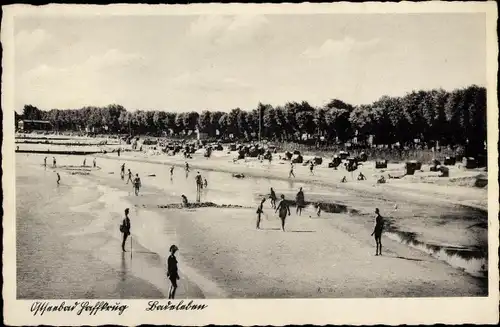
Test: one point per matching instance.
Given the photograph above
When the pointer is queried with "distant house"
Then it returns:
(26, 125)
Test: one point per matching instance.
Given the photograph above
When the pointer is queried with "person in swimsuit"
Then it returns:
(137, 184)
(291, 173)
(130, 177)
(185, 202)
(45, 162)
(187, 167)
(58, 178)
(284, 210)
(172, 271)
(299, 199)
(377, 231)
(172, 171)
(125, 229)
(54, 162)
(311, 168)
(95, 163)
(205, 183)
(260, 211)
(318, 209)
(361, 177)
(122, 172)
(84, 162)
(273, 198)
(199, 182)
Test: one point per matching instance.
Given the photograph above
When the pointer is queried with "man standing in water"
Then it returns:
(291, 173)
(260, 211)
(284, 210)
(299, 199)
(273, 198)
(172, 271)
(379, 227)
(58, 178)
(137, 184)
(125, 229)
(122, 171)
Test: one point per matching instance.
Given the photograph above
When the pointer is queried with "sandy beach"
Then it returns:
(221, 254)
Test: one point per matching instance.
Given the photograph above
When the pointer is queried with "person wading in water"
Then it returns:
(273, 198)
(299, 199)
(377, 231)
(284, 210)
(125, 229)
(260, 211)
(137, 184)
(172, 271)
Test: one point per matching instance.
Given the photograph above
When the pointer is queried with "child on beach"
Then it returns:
(299, 199)
(125, 229)
(377, 231)
(260, 212)
(283, 209)
(137, 184)
(273, 198)
(172, 271)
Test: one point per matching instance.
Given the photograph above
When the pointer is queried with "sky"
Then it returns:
(183, 63)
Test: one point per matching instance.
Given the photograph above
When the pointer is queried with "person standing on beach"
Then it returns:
(205, 183)
(122, 172)
(172, 271)
(58, 178)
(137, 184)
(291, 173)
(311, 168)
(45, 162)
(84, 162)
(54, 162)
(377, 231)
(187, 167)
(260, 211)
(125, 229)
(130, 177)
(95, 163)
(118, 152)
(172, 171)
(273, 198)
(284, 210)
(299, 199)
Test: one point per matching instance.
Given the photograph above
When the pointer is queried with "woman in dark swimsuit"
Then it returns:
(172, 272)
(379, 227)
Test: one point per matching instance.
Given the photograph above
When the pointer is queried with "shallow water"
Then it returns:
(103, 207)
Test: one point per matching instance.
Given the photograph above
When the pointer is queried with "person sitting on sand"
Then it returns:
(343, 180)
(172, 271)
(260, 211)
(284, 210)
(381, 180)
(137, 184)
(185, 202)
(361, 177)
(273, 198)
(58, 178)
(377, 231)
(125, 229)
(299, 199)
(396, 177)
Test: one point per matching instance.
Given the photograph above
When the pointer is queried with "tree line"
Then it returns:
(457, 117)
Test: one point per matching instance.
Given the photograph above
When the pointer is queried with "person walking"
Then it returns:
(172, 171)
(284, 210)
(172, 271)
(291, 173)
(95, 163)
(377, 231)
(260, 211)
(311, 168)
(125, 229)
(137, 184)
(45, 162)
(58, 179)
(299, 199)
(122, 171)
(273, 198)
(54, 162)
(130, 177)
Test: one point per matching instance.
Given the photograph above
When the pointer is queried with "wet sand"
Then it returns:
(221, 253)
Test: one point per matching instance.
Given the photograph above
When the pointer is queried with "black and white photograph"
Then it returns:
(186, 154)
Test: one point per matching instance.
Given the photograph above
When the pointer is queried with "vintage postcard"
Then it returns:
(250, 164)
